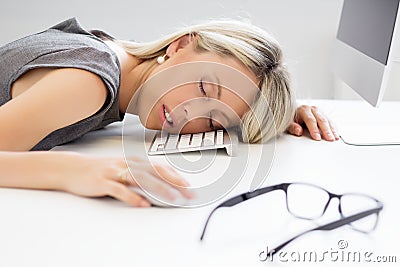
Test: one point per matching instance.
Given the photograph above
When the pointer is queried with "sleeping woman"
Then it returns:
(61, 83)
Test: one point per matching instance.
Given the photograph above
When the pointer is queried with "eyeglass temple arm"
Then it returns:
(329, 226)
(238, 199)
(228, 203)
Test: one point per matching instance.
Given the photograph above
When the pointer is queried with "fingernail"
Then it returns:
(185, 183)
(144, 203)
(297, 131)
(318, 136)
(330, 136)
(190, 194)
(336, 135)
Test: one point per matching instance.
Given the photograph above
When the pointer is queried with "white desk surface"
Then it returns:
(45, 228)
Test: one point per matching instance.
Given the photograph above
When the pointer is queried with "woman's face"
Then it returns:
(196, 92)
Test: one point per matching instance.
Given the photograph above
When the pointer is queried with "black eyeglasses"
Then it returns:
(307, 201)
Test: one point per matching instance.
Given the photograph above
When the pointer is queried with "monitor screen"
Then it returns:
(368, 26)
(367, 47)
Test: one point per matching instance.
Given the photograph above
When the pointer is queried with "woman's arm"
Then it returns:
(35, 170)
(88, 176)
(59, 99)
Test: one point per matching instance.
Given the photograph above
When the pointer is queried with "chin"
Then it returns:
(147, 124)
(150, 126)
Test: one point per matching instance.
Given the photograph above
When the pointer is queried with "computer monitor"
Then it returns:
(367, 46)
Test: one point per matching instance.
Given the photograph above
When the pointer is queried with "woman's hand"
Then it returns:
(96, 177)
(315, 121)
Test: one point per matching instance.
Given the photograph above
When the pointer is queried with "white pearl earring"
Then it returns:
(161, 59)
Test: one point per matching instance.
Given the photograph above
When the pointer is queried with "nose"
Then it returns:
(186, 109)
(196, 109)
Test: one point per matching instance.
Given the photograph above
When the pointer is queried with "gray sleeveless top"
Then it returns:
(65, 45)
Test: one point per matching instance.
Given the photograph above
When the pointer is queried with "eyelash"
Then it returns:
(201, 87)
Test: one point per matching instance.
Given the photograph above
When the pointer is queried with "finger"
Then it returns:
(334, 130)
(132, 159)
(295, 129)
(298, 118)
(154, 185)
(311, 123)
(172, 177)
(119, 170)
(124, 194)
(323, 124)
(125, 177)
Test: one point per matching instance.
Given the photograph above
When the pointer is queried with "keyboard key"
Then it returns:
(172, 141)
(220, 137)
(184, 141)
(158, 141)
(160, 147)
(209, 138)
(196, 140)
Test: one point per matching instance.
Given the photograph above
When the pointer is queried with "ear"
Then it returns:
(179, 43)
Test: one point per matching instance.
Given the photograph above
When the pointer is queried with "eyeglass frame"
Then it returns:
(344, 220)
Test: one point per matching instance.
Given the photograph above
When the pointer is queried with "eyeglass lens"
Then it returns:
(310, 202)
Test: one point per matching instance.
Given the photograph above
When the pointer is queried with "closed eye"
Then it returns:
(201, 87)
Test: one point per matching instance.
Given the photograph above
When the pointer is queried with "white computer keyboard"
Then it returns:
(174, 143)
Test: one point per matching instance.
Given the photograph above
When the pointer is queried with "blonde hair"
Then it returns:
(274, 108)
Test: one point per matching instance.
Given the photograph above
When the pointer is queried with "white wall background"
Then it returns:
(306, 29)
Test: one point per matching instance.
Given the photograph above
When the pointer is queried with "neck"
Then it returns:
(134, 72)
(131, 81)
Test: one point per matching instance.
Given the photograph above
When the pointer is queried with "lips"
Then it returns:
(165, 117)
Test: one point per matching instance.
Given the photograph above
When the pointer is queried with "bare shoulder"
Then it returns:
(60, 98)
